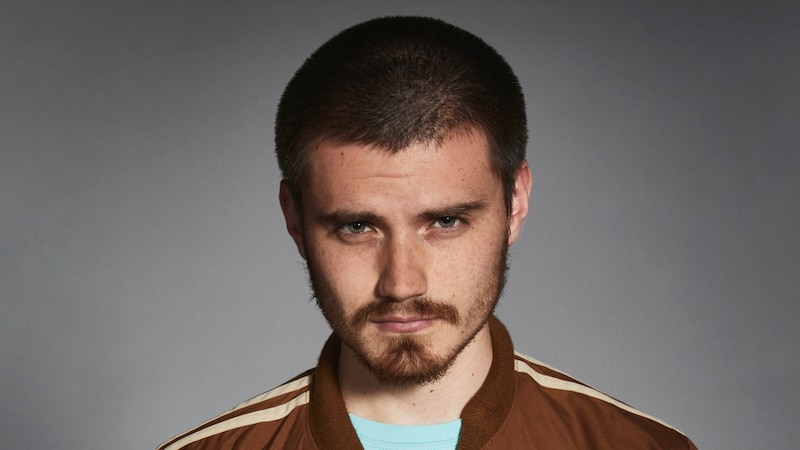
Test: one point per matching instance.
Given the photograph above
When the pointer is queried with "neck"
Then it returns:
(437, 402)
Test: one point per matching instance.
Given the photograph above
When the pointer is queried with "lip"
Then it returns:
(394, 324)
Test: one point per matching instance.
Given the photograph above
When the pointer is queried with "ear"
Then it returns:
(520, 202)
(294, 224)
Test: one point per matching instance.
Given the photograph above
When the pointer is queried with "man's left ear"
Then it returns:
(520, 202)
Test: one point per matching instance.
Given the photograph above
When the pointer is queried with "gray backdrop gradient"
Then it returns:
(147, 282)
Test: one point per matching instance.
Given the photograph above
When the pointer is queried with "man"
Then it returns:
(402, 145)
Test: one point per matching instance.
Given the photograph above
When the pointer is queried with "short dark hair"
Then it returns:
(396, 81)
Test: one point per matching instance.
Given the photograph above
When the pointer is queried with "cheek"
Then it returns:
(465, 266)
(344, 275)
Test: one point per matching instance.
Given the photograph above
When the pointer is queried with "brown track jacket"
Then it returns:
(523, 404)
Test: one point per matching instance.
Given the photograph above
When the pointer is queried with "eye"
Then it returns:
(355, 227)
(447, 222)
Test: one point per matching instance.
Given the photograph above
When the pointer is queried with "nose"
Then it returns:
(403, 274)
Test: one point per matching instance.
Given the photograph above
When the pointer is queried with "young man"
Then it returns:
(402, 143)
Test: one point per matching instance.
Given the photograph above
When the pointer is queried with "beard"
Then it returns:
(411, 359)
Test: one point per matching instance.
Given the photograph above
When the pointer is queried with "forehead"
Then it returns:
(459, 166)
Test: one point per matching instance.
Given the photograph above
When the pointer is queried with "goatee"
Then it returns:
(410, 359)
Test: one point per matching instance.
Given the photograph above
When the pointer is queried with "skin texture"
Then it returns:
(407, 256)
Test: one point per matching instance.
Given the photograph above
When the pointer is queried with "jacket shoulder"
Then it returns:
(571, 410)
(270, 418)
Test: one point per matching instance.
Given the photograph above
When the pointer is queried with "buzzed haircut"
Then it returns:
(397, 81)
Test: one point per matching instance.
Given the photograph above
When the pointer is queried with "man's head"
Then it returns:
(397, 81)
(402, 143)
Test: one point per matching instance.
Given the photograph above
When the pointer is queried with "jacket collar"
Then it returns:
(481, 418)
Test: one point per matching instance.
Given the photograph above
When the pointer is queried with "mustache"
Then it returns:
(420, 306)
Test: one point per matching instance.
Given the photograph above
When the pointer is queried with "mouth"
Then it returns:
(396, 324)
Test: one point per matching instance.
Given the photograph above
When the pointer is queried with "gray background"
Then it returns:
(147, 283)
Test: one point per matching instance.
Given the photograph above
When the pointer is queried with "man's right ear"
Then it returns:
(294, 223)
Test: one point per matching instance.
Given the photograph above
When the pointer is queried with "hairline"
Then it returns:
(297, 186)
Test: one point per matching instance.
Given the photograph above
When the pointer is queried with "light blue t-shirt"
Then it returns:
(384, 436)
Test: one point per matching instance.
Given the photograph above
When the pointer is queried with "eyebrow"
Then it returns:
(347, 216)
(344, 216)
(455, 210)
